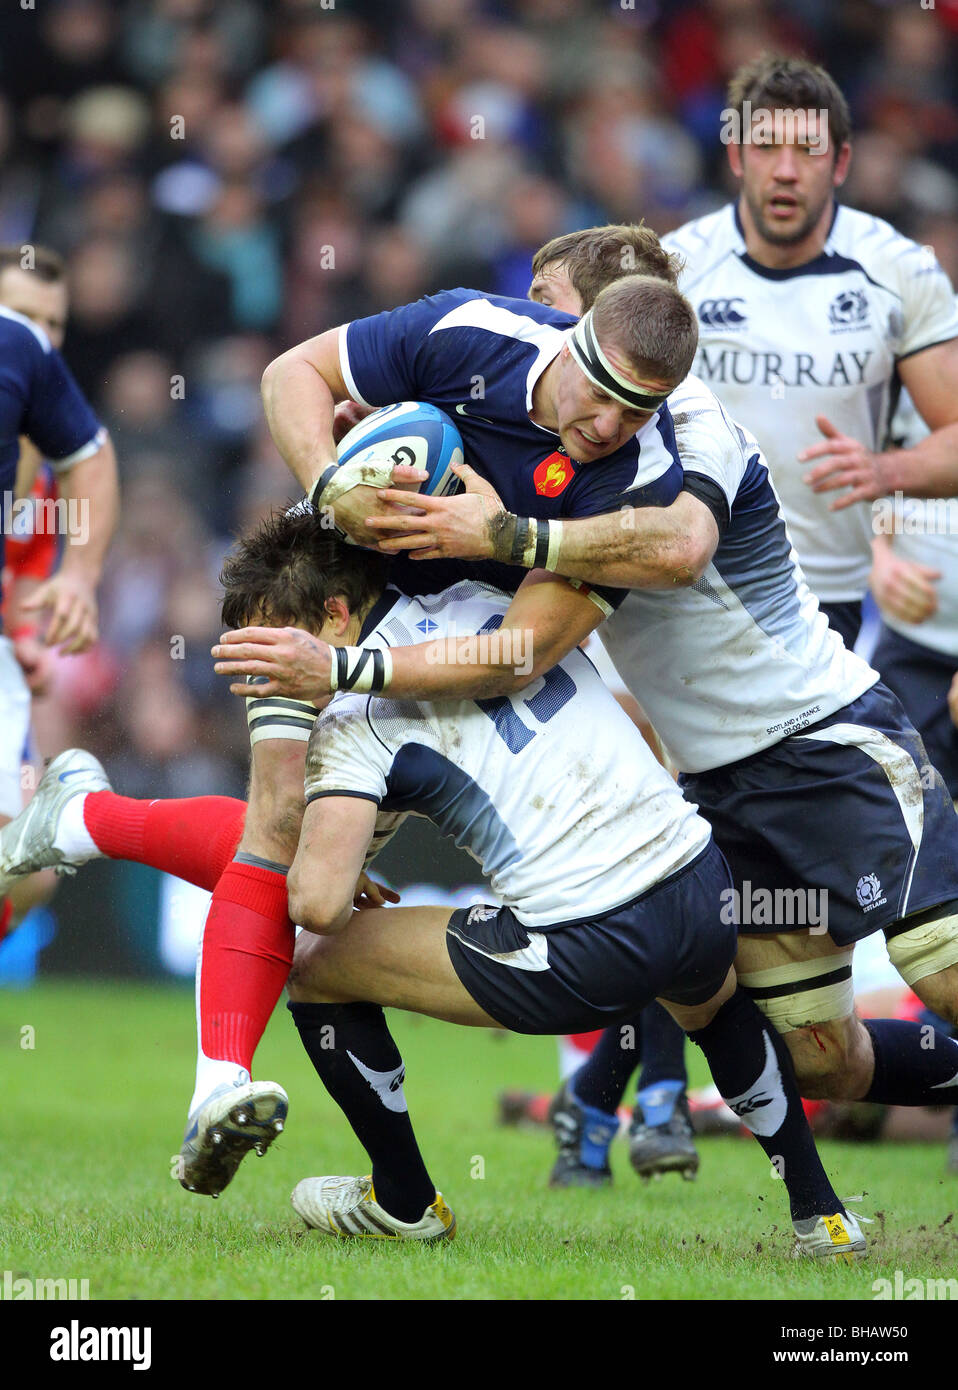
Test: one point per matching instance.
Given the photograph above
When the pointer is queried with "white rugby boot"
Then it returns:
(347, 1207)
(27, 842)
(830, 1237)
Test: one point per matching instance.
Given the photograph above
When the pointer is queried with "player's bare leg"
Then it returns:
(802, 982)
(398, 958)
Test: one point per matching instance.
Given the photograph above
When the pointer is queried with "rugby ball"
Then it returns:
(413, 433)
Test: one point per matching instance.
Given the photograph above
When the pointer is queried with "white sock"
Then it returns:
(210, 1073)
(72, 837)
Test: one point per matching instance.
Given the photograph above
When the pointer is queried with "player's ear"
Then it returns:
(337, 615)
(840, 173)
(734, 151)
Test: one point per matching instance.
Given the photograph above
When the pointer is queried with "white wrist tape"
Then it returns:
(342, 479)
(367, 670)
(540, 542)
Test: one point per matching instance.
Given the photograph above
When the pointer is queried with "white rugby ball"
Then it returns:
(413, 433)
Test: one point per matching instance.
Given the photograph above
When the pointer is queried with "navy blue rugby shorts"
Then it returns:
(672, 942)
(851, 806)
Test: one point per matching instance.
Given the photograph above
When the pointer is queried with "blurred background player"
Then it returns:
(811, 314)
(33, 286)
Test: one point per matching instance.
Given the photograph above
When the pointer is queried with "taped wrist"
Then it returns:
(322, 482)
(367, 670)
(340, 478)
(536, 543)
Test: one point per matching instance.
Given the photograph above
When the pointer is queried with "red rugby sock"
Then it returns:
(247, 952)
(193, 838)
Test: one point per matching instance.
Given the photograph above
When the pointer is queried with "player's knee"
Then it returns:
(306, 973)
(939, 993)
(832, 1060)
(34, 890)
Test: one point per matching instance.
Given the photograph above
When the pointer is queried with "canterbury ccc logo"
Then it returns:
(721, 313)
(553, 475)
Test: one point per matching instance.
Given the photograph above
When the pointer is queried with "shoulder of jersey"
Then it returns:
(705, 240)
(701, 420)
(461, 294)
(693, 394)
(883, 253)
(12, 318)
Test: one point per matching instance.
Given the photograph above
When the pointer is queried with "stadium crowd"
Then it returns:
(226, 179)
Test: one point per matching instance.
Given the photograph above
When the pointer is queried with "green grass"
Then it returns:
(93, 1115)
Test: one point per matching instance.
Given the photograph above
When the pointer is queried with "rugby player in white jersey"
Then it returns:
(609, 884)
(811, 316)
(808, 771)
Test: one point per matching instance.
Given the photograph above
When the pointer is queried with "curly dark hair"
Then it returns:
(282, 573)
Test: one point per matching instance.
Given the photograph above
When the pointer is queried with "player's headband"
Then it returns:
(584, 346)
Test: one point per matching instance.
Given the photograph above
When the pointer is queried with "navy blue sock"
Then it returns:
(663, 1049)
(752, 1069)
(915, 1064)
(359, 1064)
(604, 1075)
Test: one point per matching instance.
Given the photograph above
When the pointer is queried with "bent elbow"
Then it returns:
(316, 912)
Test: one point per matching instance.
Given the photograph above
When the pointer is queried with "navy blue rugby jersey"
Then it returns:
(478, 357)
(38, 398)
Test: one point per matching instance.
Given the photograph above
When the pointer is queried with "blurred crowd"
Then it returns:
(228, 177)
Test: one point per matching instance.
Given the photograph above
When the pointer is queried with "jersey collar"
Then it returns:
(380, 611)
(789, 272)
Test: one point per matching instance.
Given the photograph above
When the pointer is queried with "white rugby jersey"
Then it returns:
(744, 657)
(780, 347)
(553, 791)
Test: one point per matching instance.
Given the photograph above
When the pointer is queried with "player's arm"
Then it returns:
(632, 548)
(91, 492)
(300, 392)
(28, 465)
(546, 619)
(336, 833)
(901, 588)
(639, 547)
(926, 469)
(59, 421)
(32, 653)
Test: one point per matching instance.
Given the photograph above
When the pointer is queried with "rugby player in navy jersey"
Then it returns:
(33, 284)
(40, 400)
(804, 765)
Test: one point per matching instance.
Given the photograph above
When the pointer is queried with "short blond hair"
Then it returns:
(597, 256)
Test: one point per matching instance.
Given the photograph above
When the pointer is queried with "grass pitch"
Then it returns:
(94, 1106)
